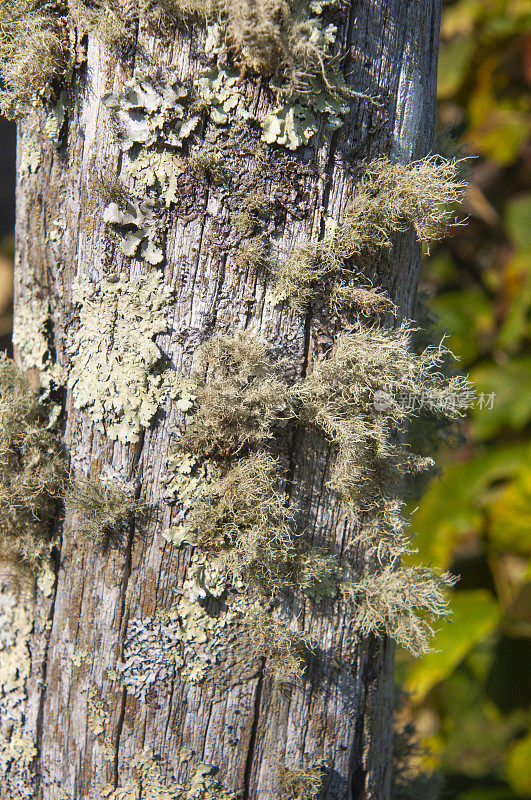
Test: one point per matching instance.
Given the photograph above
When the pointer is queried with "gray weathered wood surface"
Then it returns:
(342, 711)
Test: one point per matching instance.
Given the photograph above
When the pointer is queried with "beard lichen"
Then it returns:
(300, 783)
(116, 370)
(104, 508)
(34, 53)
(32, 470)
(241, 403)
(389, 198)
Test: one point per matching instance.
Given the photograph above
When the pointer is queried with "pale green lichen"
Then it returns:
(186, 638)
(400, 603)
(30, 331)
(138, 225)
(204, 783)
(98, 713)
(149, 111)
(220, 90)
(116, 371)
(155, 170)
(17, 748)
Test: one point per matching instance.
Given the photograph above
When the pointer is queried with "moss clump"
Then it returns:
(32, 470)
(244, 519)
(283, 649)
(300, 783)
(389, 198)
(33, 52)
(103, 509)
(241, 403)
(399, 604)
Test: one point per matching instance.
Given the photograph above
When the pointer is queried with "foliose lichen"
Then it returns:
(116, 368)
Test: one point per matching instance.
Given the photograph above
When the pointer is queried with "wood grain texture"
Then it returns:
(341, 713)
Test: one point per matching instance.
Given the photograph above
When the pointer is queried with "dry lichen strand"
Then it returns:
(390, 197)
(32, 470)
(300, 783)
(34, 53)
(115, 369)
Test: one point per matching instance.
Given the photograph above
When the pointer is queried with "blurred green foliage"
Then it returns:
(471, 698)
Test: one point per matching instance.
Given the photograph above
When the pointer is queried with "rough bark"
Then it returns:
(342, 712)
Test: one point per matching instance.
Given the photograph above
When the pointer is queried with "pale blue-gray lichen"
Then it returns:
(115, 370)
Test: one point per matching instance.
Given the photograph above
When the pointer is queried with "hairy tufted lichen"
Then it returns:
(103, 508)
(300, 783)
(34, 53)
(244, 520)
(32, 470)
(356, 396)
(241, 403)
(284, 650)
(400, 603)
(390, 197)
(116, 368)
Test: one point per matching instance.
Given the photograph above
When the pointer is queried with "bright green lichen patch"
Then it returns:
(115, 365)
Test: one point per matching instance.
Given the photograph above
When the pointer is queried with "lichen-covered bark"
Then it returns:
(245, 723)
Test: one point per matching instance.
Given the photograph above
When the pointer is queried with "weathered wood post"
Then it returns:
(170, 161)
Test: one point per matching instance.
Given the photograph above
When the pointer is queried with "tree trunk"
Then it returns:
(245, 724)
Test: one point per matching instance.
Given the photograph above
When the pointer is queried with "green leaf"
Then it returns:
(517, 766)
(475, 615)
(512, 403)
(452, 505)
